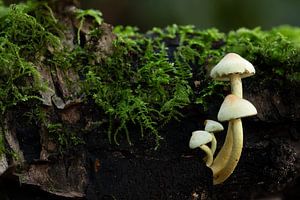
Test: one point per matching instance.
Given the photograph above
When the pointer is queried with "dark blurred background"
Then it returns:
(222, 14)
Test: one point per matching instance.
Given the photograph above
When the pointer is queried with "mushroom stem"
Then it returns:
(236, 85)
(209, 157)
(213, 146)
(237, 131)
(224, 154)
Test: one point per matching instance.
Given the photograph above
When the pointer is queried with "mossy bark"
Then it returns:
(60, 146)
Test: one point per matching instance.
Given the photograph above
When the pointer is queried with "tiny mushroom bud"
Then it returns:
(233, 109)
(200, 139)
(212, 127)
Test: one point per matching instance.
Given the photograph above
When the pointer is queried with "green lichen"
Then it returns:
(147, 80)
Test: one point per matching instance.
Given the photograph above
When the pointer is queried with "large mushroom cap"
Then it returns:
(199, 138)
(234, 107)
(212, 126)
(232, 63)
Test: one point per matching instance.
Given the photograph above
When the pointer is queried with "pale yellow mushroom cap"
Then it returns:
(234, 107)
(232, 63)
(212, 126)
(199, 138)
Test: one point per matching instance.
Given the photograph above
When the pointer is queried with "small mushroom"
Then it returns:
(212, 127)
(200, 139)
(233, 109)
(233, 68)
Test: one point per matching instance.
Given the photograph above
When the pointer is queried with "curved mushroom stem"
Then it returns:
(224, 154)
(213, 146)
(236, 85)
(237, 131)
(209, 154)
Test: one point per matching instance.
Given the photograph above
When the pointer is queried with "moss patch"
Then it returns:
(23, 40)
(275, 54)
(148, 79)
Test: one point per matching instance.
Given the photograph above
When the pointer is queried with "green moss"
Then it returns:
(3, 9)
(81, 15)
(26, 32)
(22, 42)
(291, 33)
(65, 138)
(20, 80)
(138, 85)
(275, 54)
(147, 80)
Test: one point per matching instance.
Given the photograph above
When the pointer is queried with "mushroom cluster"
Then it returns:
(231, 68)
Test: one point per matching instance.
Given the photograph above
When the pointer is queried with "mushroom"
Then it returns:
(200, 139)
(212, 127)
(233, 109)
(231, 68)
